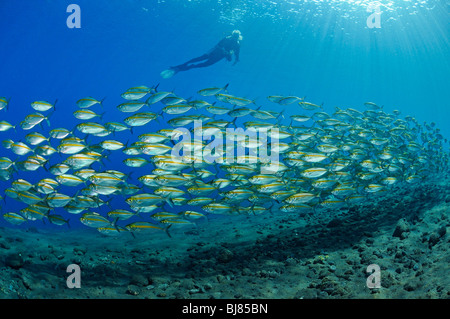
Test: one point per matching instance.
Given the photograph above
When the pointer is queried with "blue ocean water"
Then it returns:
(323, 50)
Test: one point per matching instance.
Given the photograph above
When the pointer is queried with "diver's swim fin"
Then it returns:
(167, 74)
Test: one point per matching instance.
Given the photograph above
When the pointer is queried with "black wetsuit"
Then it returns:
(224, 49)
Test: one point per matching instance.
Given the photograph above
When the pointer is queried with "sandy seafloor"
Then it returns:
(274, 255)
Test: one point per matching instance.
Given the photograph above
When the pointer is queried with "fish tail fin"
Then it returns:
(166, 229)
(170, 202)
(216, 167)
(226, 87)
(137, 213)
(72, 131)
(287, 183)
(45, 167)
(47, 118)
(101, 102)
(281, 115)
(54, 104)
(108, 203)
(128, 176)
(192, 166)
(15, 168)
(252, 208)
(114, 223)
(194, 106)
(233, 122)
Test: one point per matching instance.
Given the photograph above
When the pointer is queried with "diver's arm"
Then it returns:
(236, 54)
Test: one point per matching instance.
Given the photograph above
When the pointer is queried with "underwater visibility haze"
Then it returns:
(335, 113)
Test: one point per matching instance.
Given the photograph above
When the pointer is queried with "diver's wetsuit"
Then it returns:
(224, 49)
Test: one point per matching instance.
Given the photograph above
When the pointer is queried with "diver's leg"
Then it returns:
(198, 59)
(212, 59)
(185, 66)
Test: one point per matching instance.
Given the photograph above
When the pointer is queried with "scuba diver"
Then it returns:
(224, 49)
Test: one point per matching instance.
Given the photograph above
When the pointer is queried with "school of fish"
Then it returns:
(323, 161)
